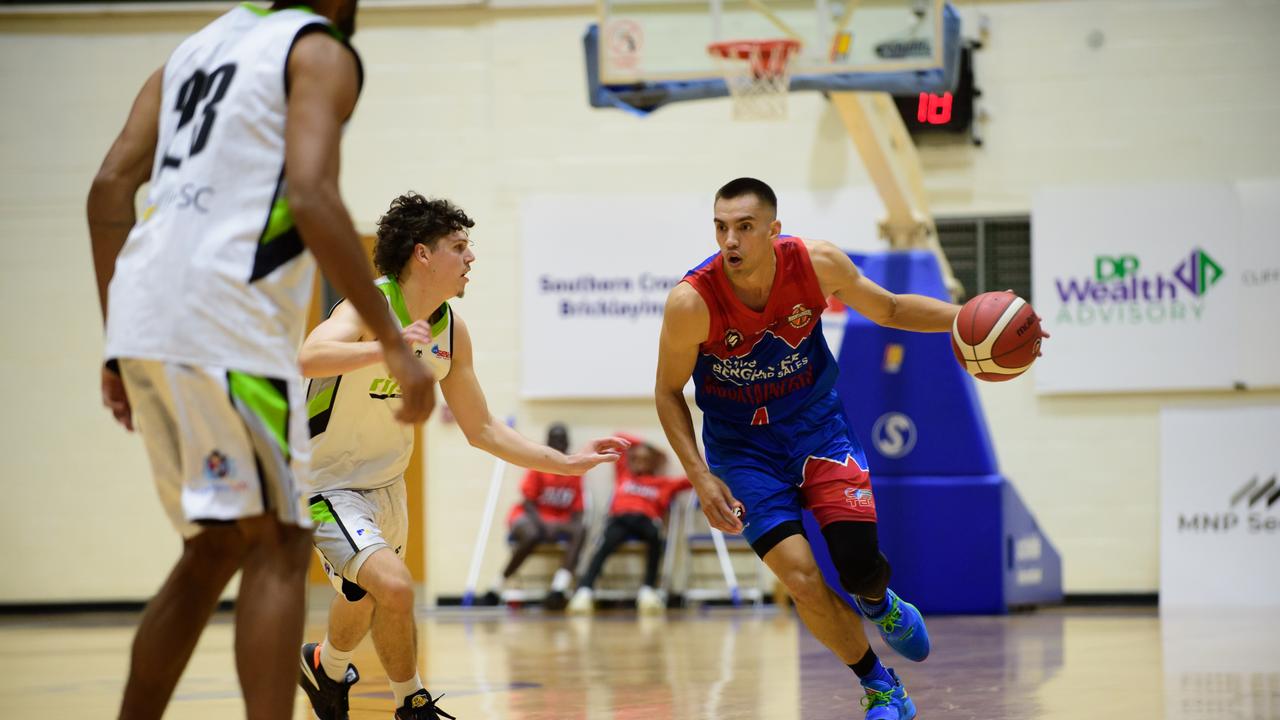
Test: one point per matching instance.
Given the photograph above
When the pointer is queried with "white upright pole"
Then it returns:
(726, 566)
(486, 522)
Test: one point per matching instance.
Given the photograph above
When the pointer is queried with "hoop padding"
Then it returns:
(758, 75)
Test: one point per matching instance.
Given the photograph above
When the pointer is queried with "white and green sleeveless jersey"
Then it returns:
(356, 442)
(214, 272)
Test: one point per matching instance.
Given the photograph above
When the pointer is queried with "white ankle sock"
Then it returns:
(334, 661)
(560, 581)
(402, 690)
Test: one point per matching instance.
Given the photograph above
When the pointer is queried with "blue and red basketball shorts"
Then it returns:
(809, 460)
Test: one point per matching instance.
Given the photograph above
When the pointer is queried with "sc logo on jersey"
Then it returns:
(894, 435)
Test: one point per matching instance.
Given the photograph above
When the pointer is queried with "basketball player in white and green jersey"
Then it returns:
(360, 454)
(205, 301)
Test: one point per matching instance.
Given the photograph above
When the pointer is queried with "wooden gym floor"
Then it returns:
(1055, 663)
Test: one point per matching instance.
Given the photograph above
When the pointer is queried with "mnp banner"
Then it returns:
(1220, 507)
(1166, 287)
(597, 270)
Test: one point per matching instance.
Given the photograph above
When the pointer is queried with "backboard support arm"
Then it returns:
(891, 160)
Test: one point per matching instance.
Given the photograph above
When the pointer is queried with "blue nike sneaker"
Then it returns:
(887, 702)
(901, 626)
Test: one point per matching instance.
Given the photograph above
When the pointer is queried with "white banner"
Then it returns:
(1260, 282)
(1139, 287)
(1220, 507)
(597, 270)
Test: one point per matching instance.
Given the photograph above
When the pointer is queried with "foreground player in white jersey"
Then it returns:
(238, 135)
(424, 253)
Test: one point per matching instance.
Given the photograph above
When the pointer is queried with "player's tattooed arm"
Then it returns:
(838, 276)
(685, 324)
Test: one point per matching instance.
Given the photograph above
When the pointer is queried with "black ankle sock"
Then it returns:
(866, 665)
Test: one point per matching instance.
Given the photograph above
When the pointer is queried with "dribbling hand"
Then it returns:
(724, 512)
(1044, 334)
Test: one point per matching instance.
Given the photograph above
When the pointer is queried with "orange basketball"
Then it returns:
(996, 336)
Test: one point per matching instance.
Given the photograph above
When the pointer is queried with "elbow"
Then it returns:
(107, 186)
(889, 318)
(480, 438)
(301, 206)
(307, 198)
(307, 364)
(665, 397)
(103, 183)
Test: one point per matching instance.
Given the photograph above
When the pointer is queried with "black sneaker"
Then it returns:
(421, 706)
(555, 601)
(490, 599)
(328, 697)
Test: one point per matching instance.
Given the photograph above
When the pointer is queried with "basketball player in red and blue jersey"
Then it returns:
(745, 326)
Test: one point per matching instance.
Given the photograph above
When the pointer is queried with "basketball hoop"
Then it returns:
(758, 73)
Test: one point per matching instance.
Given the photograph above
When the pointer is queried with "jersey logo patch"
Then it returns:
(800, 316)
(217, 465)
(858, 498)
(732, 338)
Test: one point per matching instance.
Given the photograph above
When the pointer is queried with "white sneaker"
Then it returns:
(582, 603)
(649, 602)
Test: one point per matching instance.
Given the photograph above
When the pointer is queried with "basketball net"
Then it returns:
(758, 73)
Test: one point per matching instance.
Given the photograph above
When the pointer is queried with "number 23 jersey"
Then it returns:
(214, 272)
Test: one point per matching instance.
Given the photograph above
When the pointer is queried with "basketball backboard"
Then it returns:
(657, 41)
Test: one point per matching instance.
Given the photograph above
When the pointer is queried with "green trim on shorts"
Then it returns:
(264, 12)
(260, 396)
(321, 513)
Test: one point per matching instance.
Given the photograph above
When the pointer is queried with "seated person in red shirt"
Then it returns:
(641, 498)
(551, 510)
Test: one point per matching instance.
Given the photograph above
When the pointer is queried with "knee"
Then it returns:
(395, 595)
(865, 574)
(217, 551)
(806, 586)
(855, 553)
(527, 533)
(297, 545)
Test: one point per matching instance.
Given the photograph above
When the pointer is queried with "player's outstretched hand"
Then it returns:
(115, 399)
(600, 450)
(723, 510)
(417, 385)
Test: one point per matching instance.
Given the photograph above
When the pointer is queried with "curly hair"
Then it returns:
(410, 220)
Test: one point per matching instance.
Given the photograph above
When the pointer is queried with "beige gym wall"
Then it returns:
(486, 106)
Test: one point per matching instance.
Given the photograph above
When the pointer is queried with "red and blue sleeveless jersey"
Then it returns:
(762, 367)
